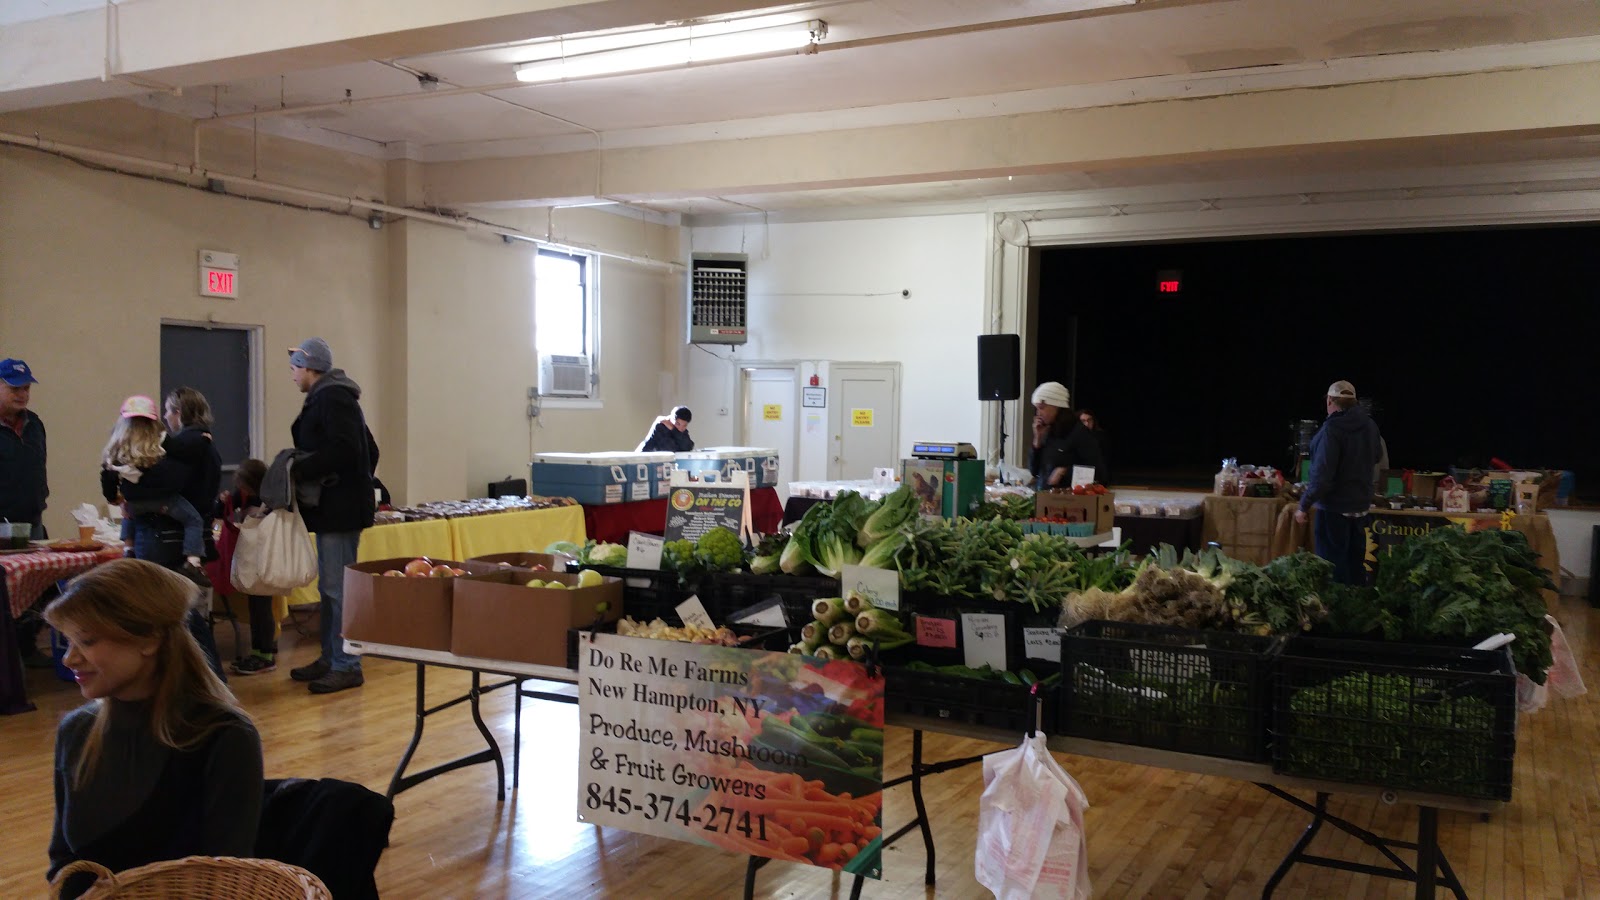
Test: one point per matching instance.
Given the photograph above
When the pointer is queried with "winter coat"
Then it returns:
(23, 486)
(1344, 453)
(339, 452)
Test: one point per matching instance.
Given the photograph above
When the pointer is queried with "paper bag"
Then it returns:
(1454, 497)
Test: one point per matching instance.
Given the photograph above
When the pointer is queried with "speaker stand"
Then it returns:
(1002, 432)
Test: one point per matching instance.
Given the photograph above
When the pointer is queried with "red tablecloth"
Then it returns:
(612, 523)
(28, 574)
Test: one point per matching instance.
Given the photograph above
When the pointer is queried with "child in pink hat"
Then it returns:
(134, 448)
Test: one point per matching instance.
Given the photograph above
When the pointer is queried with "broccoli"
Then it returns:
(719, 550)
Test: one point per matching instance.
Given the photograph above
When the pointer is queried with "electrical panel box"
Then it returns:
(718, 307)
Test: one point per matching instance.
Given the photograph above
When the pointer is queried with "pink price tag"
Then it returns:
(933, 632)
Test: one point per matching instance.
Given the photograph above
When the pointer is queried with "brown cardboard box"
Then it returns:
(496, 617)
(525, 560)
(1426, 484)
(406, 612)
(1097, 508)
(1243, 526)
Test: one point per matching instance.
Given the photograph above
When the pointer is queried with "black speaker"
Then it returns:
(999, 367)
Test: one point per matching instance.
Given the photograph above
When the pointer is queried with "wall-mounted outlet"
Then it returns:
(722, 410)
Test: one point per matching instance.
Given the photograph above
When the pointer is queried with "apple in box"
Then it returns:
(405, 602)
(498, 615)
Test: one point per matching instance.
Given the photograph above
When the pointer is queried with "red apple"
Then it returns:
(443, 572)
(395, 573)
(418, 567)
(540, 567)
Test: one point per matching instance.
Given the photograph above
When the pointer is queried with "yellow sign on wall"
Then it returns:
(861, 418)
(772, 412)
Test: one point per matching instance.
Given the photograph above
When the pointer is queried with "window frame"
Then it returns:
(588, 280)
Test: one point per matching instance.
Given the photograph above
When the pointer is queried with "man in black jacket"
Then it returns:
(340, 454)
(670, 433)
(1343, 455)
(23, 486)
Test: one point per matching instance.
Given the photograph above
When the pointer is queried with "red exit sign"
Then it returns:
(219, 274)
(1167, 287)
(1169, 281)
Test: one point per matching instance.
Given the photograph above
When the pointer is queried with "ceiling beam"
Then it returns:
(1527, 102)
(174, 44)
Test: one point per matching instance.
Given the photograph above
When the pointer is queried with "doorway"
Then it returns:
(863, 419)
(219, 361)
(770, 416)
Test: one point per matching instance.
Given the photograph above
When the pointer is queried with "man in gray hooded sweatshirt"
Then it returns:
(340, 454)
(1343, 456)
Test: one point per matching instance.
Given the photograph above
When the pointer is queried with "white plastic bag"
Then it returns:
(1030, 827)
(273, 554)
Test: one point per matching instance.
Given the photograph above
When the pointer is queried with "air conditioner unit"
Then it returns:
(564, 376)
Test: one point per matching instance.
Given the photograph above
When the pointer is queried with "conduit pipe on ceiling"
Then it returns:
(189, 172)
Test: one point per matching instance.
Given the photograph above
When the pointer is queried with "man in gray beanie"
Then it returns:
(1059, 440)
(339, 452)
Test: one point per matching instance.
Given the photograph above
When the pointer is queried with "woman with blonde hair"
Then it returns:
(162, 763)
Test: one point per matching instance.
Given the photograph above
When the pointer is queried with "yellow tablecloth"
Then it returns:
(512, 532)
(459, 539)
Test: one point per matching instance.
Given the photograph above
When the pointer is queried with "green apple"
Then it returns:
(536, 583)
(588, 578)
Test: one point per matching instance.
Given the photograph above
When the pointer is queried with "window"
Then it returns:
(564, 323)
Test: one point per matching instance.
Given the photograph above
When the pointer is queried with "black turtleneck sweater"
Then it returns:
(147, 802)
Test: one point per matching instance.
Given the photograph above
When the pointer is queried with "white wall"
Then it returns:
(806, 283)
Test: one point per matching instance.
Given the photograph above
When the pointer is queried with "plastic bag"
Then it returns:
(273, 554)
(1564, 677)
(1030, 827)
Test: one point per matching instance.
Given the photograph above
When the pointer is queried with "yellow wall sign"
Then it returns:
(861, 418)
(772, 412)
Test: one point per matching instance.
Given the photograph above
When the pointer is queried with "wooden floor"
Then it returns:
(1151, 833)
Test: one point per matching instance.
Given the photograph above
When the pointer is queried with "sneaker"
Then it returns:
(311, 672)
(195, 574)
(255, 664)
(338, 681)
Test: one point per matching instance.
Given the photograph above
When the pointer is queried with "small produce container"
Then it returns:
(650, 593)
(1199, 692)
(1404, 716)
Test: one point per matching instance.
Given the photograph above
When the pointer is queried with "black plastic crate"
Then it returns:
(752, 637)
(1201, 692)
(1420, 717)
(733, 591)
(972, 701)
(649, 593)
(937, 606)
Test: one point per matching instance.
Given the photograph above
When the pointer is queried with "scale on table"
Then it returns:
(943, 450)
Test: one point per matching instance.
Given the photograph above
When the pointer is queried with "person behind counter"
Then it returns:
(1059, 440)
(670, 433)
(1344, 455)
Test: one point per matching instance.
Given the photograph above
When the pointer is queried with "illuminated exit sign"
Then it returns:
(219, 274)
(1169, 281)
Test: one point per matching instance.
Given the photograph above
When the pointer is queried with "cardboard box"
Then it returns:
(496, 616)
(1242, 526)
(523, 559)
(1099, 509)
(1426, 484)
(405, 612)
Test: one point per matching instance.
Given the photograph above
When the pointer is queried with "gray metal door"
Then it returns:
(215, 362)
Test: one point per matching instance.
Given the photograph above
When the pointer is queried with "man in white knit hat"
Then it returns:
(1059, 440)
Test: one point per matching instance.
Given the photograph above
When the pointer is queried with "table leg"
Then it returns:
(516, 740)
(1299, 847)
(491, 753)
(750, 870)
(488, 736)
(1427, 851)
(416, 733)
(916, 796)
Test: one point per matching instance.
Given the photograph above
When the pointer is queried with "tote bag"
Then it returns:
(220, 570)
(274, 554)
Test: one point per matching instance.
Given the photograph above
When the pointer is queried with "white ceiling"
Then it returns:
(865, 73)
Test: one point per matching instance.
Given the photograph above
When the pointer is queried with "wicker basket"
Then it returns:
(197, 876)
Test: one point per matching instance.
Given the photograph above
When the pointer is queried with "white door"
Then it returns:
(770, 417)
(864, 419)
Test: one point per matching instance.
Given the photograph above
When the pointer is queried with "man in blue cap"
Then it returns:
(23, 487)
(337, 451)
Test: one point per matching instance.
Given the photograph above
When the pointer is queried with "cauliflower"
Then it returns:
(603, 554)
(720, 550)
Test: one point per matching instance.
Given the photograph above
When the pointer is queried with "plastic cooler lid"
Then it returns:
(603, 458)
(727, 452)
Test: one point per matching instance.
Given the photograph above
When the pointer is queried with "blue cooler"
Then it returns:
(593, 479)
(761, 463)
(661, 469)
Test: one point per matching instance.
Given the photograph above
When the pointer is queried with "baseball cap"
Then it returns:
(16, 373)
(1053, 393)
(313, 353)
(139, 407)
(1342, 389)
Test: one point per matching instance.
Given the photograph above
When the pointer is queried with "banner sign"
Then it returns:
(694, 509)
(767, 754)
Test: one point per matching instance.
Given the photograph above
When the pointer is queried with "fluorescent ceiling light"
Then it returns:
(668, 47)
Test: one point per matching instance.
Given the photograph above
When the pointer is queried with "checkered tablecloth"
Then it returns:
(28, 574)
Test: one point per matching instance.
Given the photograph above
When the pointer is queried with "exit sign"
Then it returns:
(219, 274)
(1169, 281)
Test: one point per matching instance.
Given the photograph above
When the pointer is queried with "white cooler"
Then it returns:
(598, 479)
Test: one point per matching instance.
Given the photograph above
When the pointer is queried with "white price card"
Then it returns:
(692, 612)
(983, 640)
(1082, 475)
(768, 614)
(644, 550)
(1042, 643)
(880, 587)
